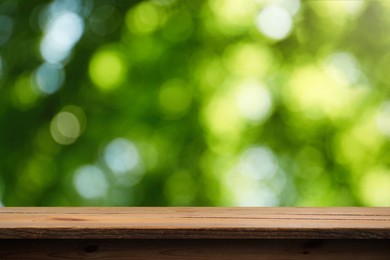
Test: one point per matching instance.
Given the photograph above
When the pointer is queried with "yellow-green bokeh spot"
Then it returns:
(317, 93)
(374, 187)
(145, 18)
(107, 69)
(360, 145)
(23, 93)
(222, 118)
(337, 14)
(175, 98)
(247, 59)
(208, 70)
(231, 14)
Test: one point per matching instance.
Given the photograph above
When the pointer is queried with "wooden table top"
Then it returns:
(194, 223)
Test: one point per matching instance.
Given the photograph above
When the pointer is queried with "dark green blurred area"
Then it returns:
(218, 102)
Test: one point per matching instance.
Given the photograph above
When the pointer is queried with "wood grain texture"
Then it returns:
(112, 249)
(195, 223)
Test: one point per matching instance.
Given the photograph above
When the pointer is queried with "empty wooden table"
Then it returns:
(194, 233)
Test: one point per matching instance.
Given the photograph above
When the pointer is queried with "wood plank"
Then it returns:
(195, 223)
(194, 249)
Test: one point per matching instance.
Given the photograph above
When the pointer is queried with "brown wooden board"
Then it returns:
(195, 223)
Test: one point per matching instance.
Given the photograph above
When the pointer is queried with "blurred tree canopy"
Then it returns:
(212, 102)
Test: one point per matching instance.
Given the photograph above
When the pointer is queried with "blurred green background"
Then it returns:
(194, 103)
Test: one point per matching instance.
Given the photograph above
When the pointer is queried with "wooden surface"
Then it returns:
(202, 249)
(195, 223)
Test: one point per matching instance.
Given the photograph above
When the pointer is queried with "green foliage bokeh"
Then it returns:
(194, 103)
